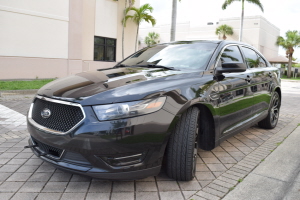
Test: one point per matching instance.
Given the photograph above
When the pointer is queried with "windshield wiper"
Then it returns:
(156, 66)
(120, 65)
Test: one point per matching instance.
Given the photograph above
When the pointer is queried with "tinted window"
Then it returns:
(231, 54)
(262, 62)
(184, 56)
(253, 59)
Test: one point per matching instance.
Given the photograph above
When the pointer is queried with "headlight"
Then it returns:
(130, 109)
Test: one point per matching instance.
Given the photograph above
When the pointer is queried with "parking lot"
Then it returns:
(24, 176)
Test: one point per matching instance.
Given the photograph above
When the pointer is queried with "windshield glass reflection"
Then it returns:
(181, 56)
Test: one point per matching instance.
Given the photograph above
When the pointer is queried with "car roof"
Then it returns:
(223, 42)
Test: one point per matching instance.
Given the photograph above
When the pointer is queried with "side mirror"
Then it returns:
(231, 68)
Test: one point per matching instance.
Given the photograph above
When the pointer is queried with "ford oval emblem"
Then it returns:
(46, 113)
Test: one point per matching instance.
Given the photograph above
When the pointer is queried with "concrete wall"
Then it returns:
(258, 32)
(55, 38)
(267, 40)
(105, 22)
(27, 31)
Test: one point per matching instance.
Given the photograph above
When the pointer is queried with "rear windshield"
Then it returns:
(180, 56)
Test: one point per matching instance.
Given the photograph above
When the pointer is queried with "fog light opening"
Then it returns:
(124, 159)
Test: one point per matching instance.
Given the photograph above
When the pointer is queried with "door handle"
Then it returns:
(270, 75)
(248, 79)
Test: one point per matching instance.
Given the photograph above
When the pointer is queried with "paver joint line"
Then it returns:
(218, 170)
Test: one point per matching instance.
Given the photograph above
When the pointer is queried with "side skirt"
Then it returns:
(242, 126)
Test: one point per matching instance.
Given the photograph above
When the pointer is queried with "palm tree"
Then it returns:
(141, 14)
(256, 2)
(173, 21)
(130, 3)
(224, 30)
(292, 41)
(152, 38)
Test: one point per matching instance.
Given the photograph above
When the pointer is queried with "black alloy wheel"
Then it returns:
(271, 120)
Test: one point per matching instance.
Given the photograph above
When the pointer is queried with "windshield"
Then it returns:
(183, 56)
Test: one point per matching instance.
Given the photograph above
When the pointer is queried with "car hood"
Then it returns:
(117, 85)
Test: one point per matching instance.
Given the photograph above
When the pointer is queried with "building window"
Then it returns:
(210, 23)
(104, 49)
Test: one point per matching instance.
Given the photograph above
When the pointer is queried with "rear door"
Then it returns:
(261, 82)
(235, 94)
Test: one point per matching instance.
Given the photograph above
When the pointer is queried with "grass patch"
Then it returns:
(240, 180)
(230, 189)
(285, 77)
(279, 143)
(23, 85)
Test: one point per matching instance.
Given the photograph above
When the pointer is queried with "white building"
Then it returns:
(55, 38)
(257, 31)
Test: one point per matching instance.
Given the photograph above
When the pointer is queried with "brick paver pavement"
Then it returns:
(24, 176)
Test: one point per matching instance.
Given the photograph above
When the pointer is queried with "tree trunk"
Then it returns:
(290, 65)
(173, 20)
(242, 22)
(123, 30)
(137, 35)
(224, 37)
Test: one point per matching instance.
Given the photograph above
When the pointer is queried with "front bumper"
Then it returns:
(94, 171)
(119, 149)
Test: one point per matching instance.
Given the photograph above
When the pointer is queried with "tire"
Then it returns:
(181, 155)
(271, 120)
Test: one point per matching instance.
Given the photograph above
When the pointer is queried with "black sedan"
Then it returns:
(154, 109)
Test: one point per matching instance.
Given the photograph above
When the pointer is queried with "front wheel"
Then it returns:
(271, 120)
(183, 146)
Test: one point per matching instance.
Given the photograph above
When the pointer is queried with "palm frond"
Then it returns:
(152, 38)
(151, 20)
(256, 2)
(126, 19)
(291, 41)
(224, 29)
(141, 14)
(146, 7)
(227, 3)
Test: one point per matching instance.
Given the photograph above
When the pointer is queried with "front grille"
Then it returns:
(47, 149)
(63, 117)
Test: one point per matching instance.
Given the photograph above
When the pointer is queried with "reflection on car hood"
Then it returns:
(115, 85)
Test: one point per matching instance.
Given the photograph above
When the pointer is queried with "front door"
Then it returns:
(261, 82)
(235, 94)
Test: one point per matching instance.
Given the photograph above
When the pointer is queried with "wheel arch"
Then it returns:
(207, 134)
(278, 90)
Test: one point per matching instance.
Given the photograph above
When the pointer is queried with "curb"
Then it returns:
(287, 80)
(222, 186)
(11, 93)
(273, 173)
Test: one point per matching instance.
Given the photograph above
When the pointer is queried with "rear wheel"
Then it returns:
(271, 120)
(183, 146)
